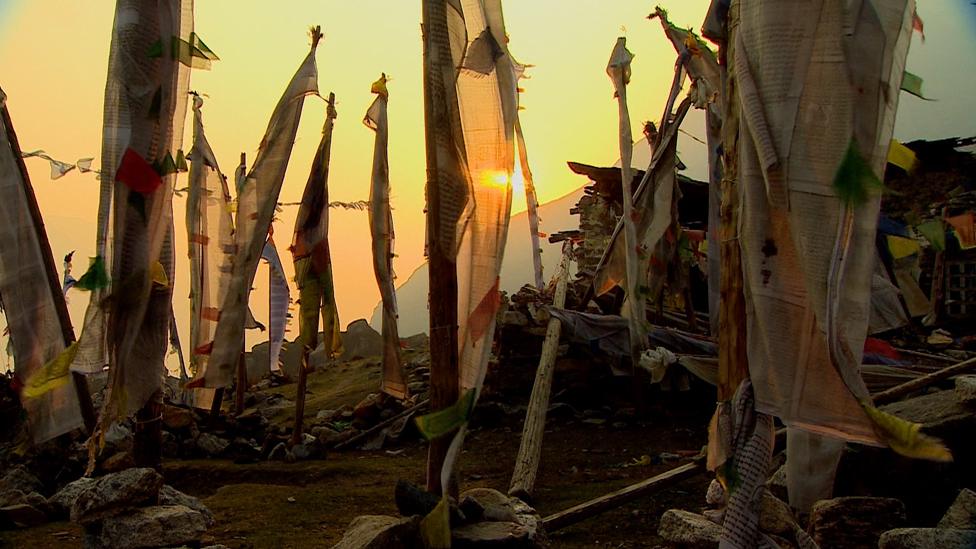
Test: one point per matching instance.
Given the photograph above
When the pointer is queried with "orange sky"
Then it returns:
(53, 57)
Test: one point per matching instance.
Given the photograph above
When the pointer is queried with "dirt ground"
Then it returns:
(309, 504)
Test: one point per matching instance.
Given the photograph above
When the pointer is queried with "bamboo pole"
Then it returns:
(530, 449)
(57, 295)
(439, 118)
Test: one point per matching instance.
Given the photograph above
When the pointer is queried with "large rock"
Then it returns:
(175, 417)
(158, 526)
(19, 478)
(505, 521)
(171, 496)
(689, 530)
(854, 521)
(380, 532)
(361, 341)
(60, 503)
(116, 493)
(962, 513)
(775, 516)
(966, 389)
(928, 538)
(211, 445)
(940, 413)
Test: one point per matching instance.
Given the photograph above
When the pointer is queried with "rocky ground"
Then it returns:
(234, 481)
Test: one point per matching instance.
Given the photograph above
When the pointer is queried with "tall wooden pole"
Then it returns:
(444, 389)
(530, 449)
(733, 364)
(57, 295)
(532, 204)
(313, 342)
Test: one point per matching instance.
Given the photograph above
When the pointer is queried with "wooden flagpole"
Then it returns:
(444, 389)
(67, 331)
(308, 346)
(530, 449)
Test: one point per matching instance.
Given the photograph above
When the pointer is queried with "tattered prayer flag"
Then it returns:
(855, 181)
(52, 375)
(934, 232)
(96, 277)
(905, 437)
(381, 230)
(442, 422)
(918, 25)
(279, 300)
(965, 227)
(310, 250)
(902, 156)
(257, 199)
(193, 53)
(902, 247)
(912, 84)
(137, 174)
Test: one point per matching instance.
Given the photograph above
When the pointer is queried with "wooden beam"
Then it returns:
(909, 387)
(530, 448)
(612, 500)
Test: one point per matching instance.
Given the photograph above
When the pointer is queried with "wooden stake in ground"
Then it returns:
(67, 332)
(908, 387)
(530, 449)
(441, 116)
(241, 380)
(303, 367)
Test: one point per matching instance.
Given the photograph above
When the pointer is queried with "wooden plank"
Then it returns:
(909, 387)
(613, 500)
(530, 448)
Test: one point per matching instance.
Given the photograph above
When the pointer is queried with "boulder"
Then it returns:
(158, 526)
(21, 515)
(962, 513)
(690, 530)
(175, 417)
(854, 521)
(966, 389)
(60, 503)
(19, 478)
(941, 413)
(115, 493)
(211, 445)
(309, 448)
(928, 538)
(380, 532)
(278, 453)
(361, 341)
(171, 496)
(775, 516)
(118, 438)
